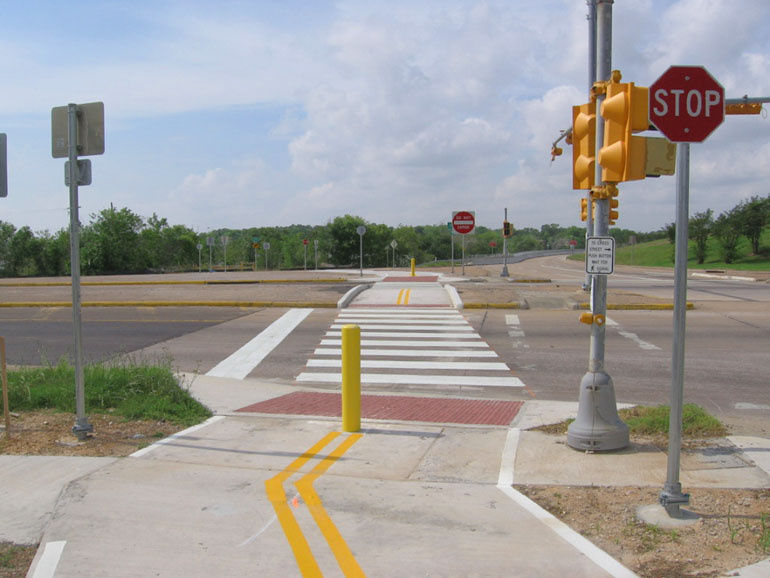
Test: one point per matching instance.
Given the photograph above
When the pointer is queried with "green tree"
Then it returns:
(22, 250)
(111, 243)
(7, 231)
(727, 229)
(53, 255)
(344, 238)
(755, 215)
(699, 229)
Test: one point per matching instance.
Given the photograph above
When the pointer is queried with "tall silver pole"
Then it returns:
(81, 428)
(671, 498)
(591, 80)
(504, 273)
(597, 426)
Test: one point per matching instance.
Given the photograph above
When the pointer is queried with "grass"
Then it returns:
(653, 420)
(660, 253)
(123, 388)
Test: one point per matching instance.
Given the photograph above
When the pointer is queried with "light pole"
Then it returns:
(361, 230)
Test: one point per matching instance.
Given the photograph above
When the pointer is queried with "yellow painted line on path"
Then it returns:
(403, 297)
(277, 496)
(337, 544)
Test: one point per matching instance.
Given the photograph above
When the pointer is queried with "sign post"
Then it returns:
(686, 104)
(77, 130)
(361, 230)
(464, 223)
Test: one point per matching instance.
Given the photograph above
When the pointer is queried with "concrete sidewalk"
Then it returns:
(269, 495)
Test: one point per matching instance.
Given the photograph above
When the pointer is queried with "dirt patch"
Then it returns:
(733, 530)
(49, 434)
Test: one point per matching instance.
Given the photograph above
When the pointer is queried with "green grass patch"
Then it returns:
(648, 420)
(123, 388)
(660, 253)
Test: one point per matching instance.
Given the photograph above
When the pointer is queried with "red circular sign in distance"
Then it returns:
(686, 104)
(463, 222)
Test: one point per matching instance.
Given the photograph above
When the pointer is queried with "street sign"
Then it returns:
(305, 242)
(464, 222)
(361, 230)
(90, 130)
(600, 255)
(210, 241)
(84, 172)
(686, 104)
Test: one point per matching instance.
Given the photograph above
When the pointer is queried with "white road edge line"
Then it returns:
(586, 547)
(243, 361)
(177, 435)
(49, 560)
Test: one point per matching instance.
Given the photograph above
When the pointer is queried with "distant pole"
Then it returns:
(504, 272)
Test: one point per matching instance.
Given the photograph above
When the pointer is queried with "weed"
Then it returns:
(121, 387)
(763, 542)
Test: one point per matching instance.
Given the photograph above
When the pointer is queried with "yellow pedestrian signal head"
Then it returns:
(507, 229)
(584, 208)
(613, 212)
(583, 145)
(625, 111)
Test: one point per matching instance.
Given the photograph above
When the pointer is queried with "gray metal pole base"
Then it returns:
(82, 428)
(597, 427)
(505, 271)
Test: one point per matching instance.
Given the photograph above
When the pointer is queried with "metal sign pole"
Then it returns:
(671, 498)
(504, 272)
(81, 428)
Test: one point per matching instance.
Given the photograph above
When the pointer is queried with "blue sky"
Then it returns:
(263, 113)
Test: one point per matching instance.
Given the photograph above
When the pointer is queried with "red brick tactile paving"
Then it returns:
(415, 279)
(401, 408)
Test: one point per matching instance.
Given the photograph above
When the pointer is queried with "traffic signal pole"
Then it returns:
(597, 426)
(591, 80)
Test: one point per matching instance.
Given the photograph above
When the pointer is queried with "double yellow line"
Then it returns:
(277, 496)
(403, 297)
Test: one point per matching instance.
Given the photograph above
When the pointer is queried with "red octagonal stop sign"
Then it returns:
(686, 104)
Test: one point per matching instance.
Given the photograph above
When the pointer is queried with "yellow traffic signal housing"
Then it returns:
(613, 212)
(507, 229)
(625, 111)
(583, 145)
(584, 209)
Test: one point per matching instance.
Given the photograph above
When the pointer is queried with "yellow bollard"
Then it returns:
(351, 378)
(412, 266)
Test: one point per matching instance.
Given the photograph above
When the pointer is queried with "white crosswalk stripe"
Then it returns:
(433, 347)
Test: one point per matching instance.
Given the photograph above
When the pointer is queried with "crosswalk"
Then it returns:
(414, 347)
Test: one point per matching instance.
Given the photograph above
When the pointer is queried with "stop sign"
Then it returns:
(463, 222)
(686, 104)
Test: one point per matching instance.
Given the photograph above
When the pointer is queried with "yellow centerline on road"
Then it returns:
(277, 496)
(403, 297)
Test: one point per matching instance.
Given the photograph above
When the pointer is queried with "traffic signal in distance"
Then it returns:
(507, 229)
(583, 145)
(625, 111)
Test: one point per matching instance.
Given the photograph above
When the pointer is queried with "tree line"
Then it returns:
(121, 241)
(747, 219)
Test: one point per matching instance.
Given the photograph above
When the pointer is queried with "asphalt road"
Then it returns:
(727, 348)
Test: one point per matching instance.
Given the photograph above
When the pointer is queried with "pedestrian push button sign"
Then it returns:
(600, 255)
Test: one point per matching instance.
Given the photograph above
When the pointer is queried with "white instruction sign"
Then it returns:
(600, 255)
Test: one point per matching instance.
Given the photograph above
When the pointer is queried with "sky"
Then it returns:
(238, 113)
